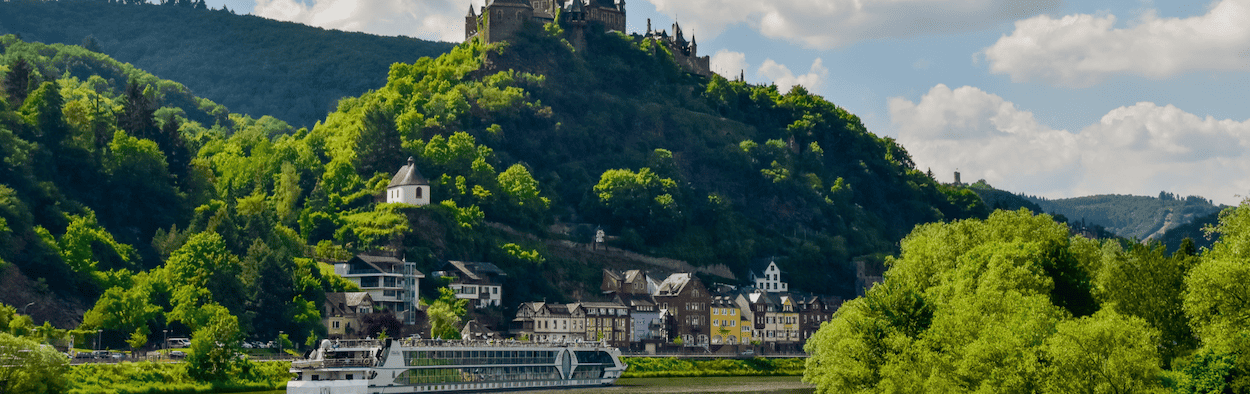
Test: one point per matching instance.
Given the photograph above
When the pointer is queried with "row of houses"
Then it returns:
(645, 313)
(642, 312)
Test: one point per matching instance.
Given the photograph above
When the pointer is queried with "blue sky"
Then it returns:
(1046, 97)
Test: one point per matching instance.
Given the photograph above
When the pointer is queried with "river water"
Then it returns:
(741, 384)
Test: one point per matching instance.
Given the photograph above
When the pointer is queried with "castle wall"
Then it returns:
(503, 20)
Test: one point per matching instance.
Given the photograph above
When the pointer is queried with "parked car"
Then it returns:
(177, 354)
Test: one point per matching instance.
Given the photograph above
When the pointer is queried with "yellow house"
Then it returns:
(729, 327)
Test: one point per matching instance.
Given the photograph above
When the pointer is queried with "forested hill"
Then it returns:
(163, 209)
(251, 65)
(1139, 217)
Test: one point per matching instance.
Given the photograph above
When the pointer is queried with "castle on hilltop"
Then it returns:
(500, 20)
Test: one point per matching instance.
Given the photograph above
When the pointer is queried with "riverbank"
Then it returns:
(716, 384)
(148, 377)
(654, 367)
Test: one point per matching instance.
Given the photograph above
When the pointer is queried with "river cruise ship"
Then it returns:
(426, 366)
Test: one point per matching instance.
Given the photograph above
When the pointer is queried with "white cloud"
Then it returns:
(1081, 50)
(729, 64)
(1139, 149)
(825, 24)
(428, 19)
(785, 79)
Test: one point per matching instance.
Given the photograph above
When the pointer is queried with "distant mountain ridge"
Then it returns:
(1139, 217)
(250, 64)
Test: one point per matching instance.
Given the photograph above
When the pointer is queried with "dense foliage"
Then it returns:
(151, 378)
(250, 64)
(1015, 304)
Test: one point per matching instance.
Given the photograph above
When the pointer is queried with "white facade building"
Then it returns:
(766, 276)
(392, 284)
(408, 186)
(480, 283)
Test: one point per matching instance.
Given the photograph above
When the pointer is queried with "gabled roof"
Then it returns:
(673, 284)
(384, 264)
(475, 271)
(758, 267)
(346, 303)
(409, 175)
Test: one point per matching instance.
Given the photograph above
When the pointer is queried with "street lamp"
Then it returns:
(165, 344)
(27, 306)
(97, 338)
(280, 332)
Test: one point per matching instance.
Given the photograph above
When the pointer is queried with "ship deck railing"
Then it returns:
(335, 363)
(412, 342)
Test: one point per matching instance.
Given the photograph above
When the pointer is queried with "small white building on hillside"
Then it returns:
(408, 186)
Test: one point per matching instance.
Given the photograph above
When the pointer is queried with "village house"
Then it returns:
(607, 321)
(813, 311)
(393, 284)
(342, 312)
(544, 322)
(765, 275)
(686, 300)
(480, 283)
(729, 326)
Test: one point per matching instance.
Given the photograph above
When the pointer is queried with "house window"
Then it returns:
(336, 324)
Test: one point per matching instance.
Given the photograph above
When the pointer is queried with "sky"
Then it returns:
(1050, 98)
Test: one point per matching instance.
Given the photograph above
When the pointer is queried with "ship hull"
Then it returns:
(415, 366)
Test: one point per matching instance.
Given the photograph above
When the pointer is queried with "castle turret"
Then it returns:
(694, 47)
(470, 24)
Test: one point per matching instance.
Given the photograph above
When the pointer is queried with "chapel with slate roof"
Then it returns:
(408, 186)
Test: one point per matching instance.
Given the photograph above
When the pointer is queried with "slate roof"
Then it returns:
(408, 175)
(385, 264)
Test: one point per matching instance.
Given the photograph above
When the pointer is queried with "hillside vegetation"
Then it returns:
(1139, 217)
(165, 211)
(251, 65)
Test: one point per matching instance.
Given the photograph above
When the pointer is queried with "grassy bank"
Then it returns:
(655, 367)
(148, 377)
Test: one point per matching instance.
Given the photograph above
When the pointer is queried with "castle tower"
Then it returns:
(577, 20)
(470, 24)
(408, 186)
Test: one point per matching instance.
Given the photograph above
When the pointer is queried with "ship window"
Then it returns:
(350, 376)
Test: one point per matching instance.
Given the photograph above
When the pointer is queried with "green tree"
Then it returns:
(138, 111)
(639, 199)
(44, 110)
(213, 356)
(17, 82)
(1145, 283)
(201, 272)
(379, 147)
(1217, 298)
(31, 367)
(445, 314)
(1104, 353)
